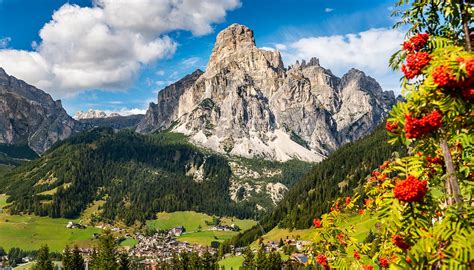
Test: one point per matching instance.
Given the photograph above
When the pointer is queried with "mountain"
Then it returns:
(30, 116)
(248, 104)
(114, 121)
(137, 176)
(90, 114)
(337, 176)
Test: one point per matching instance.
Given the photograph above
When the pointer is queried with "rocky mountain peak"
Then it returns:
(235, 46)
(357, 79)
(247, 104)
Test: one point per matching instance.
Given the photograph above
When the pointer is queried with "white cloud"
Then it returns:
(4, 41)
(328, 10)
(191, 62)
(160, 72)
(104, 46)
(368, 51)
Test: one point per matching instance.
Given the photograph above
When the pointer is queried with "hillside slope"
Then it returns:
(140, 175)
(336, 176)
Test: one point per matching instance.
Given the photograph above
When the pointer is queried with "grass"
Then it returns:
(278, 233)
(197, 231)
(30, 232)
(233, 262)
(129, 242)
(92, 210)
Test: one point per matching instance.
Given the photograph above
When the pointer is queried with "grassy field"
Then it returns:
(129, 242)
(233, 262)
(30, 232)
(197, 231)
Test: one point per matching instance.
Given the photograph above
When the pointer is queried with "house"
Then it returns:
(177, 231)
(301, 258)
(73, 225)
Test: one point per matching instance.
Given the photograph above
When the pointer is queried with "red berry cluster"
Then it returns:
(434, 160)
(416, 43)
(356, 255)
(383, 262)
(348, 200)
(410, 190)
(317, 223)
(391, 126)
(367, 267)
(322, 260)
(444, 77)
(400, 242)
(417, 127)
(415, 63)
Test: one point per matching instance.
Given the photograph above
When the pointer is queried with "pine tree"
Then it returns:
(43, 259)
(67, 258)
(106, 259)
(77, 262)
(261, 259)
(248, 262)
(124, 262)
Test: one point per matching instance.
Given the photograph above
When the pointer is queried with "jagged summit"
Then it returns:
(247, 104)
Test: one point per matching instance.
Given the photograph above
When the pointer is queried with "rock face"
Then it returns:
(248, 104)
(90, 114)
(29, 115)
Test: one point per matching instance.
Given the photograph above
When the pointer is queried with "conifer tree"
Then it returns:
(43, 259)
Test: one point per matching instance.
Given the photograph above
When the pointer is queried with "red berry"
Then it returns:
(443, 77)
(410, 190)
(348, 200)
(417, 127)
(400, 242)
(391, 126)
(416, 42)
(317, 223)
(367, 267)
(322, 260)
(357, 255)
(383, 262)
(415, 63)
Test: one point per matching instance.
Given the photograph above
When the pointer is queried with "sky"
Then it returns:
(115, 55)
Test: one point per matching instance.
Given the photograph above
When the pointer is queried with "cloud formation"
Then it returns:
(368, 51)
(104, 46)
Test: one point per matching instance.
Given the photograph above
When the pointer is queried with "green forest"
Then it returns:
(312, 195)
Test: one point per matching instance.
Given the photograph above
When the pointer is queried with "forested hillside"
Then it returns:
(336, 176)
(136, 175)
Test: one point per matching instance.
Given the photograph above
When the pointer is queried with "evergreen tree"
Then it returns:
(43, 259)
(248, 262)
(106, 259)
(77, 262)
(67, 259)
(261, 258)
(274, 261)
(124, 262)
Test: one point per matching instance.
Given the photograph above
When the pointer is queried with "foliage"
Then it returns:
(423, 201)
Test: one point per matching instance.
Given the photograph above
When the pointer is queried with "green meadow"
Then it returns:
(197, 231)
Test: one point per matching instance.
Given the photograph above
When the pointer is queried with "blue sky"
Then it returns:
(341, 33)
